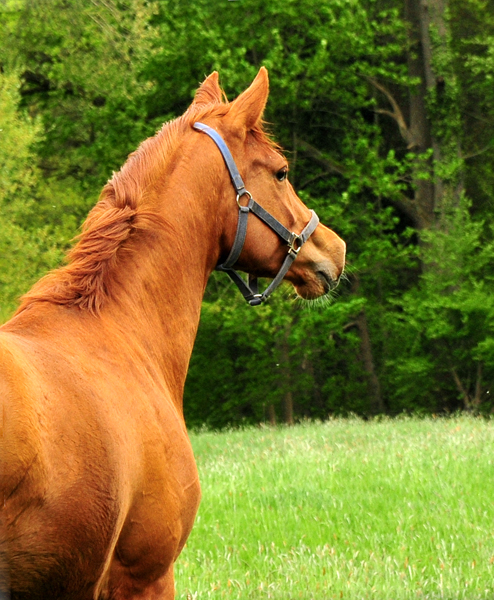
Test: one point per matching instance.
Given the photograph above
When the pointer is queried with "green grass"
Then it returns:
(389, 509)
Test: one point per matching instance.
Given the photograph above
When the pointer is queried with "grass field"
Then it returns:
(344, 509)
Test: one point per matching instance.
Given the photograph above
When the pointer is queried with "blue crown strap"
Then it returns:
(237, 180)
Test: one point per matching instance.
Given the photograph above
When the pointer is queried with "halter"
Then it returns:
(249, 289)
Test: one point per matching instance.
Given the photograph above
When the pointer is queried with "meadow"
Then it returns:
(384, 509)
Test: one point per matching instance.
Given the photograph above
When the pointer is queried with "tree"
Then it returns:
(26, 248)
(80, 72)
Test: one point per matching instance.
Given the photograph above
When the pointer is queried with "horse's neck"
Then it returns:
(162, 284)
(153, 283)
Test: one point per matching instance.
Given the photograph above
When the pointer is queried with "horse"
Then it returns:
(99, 487)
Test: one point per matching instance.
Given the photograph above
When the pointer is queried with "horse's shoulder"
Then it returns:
(20, 438)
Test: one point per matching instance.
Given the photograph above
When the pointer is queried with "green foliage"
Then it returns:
(26, 248)
(81, 74)
(449, 318)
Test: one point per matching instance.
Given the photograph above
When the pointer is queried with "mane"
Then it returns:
(86, 279)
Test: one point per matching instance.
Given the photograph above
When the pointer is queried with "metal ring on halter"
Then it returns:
(243, 194)
(295, 243)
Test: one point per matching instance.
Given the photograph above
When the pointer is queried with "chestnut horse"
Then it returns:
(99, 488)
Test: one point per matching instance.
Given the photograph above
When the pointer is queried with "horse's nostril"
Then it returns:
(327, 281)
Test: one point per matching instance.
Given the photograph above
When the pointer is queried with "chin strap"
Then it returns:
(249, 289)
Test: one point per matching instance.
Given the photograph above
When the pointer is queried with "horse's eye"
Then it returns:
(282, 174)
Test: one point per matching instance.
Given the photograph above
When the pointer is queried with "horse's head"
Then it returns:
(320, 259)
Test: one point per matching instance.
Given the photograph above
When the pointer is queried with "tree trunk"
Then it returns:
(419, 134)
(271, 415)
(465, 396)
(375, 396)
(316, 390)
(477, 400)
(469, 402)
(433, 112)
(288, 407)
(287, 400)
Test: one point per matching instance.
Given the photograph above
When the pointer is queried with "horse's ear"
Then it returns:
(209, 92)
(247, 109)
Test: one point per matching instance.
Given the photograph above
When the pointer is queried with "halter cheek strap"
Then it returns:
(249, 289)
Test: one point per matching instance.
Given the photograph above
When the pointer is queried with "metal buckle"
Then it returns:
(256, 300)
(246, 193)
(295, 243)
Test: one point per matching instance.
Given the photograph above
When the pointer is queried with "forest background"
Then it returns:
(385, 109)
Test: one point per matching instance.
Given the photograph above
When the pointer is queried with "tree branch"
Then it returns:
(397, 113)
(318, 156)
(478, 153)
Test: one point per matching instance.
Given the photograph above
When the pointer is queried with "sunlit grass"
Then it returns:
(344, 509)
